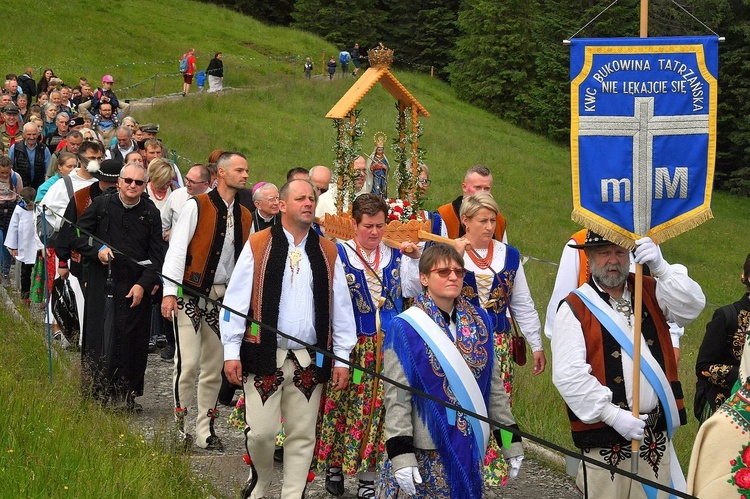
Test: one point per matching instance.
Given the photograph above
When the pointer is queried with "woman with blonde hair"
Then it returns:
(90, 135)
(160, 175)
(66, 163)
(49, 113)
(495, 281)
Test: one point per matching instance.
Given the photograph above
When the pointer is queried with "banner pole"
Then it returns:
(637, 359)
(635, 444)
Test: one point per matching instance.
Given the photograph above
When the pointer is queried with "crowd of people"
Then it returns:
(241, 289)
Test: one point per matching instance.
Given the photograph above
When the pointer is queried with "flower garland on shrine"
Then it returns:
(346, 148)
(402, 147)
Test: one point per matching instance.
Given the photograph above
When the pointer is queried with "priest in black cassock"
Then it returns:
(128, 227)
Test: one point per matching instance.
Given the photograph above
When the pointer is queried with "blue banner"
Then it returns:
(643, 134)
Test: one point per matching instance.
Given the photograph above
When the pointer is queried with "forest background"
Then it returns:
(508, 56)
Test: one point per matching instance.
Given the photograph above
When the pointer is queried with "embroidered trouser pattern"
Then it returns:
(294, 394)
(653, 463)
(198, 346)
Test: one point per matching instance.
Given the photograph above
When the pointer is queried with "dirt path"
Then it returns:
(228, 471)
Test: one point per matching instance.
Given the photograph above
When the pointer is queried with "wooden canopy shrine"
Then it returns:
(345, 116)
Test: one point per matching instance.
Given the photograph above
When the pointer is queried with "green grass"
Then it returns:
(54, 443)
(279, 123)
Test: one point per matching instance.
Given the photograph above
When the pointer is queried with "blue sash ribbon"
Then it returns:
(647, 368)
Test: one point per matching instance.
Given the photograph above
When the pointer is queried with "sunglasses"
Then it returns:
(424, 181)
(445, 272)
(129, 181)
(195, 182)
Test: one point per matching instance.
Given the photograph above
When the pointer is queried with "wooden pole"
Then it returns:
(644, 18)
(401, 138)
(635, 444)
(352, 121)
(414, 154)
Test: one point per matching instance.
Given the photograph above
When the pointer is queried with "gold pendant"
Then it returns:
(295, 256)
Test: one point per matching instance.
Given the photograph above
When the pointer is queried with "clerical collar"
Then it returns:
(265, 219)
(126, 205)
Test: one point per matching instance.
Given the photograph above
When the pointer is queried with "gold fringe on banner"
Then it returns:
(669, 230)
(627, 239)
(609, 230)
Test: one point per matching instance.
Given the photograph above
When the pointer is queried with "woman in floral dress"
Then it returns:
(494, 272)
(351, 427)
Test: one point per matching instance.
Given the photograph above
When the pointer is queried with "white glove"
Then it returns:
(407, 477)
(628, 426)
(648, 253)
(515, 465)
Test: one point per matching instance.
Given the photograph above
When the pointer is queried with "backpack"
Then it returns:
(184, 64)
(344, 57)
(45, 226)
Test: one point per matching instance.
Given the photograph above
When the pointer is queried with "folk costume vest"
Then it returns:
(583, 270)
(270, 249)
(497, 304)
(449, 214)
(364, 305)
(603, 354)
(204, 250)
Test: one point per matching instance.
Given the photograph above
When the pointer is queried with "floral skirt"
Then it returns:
(434, 479)
(350, 428)
(36, 292)
(495, 467)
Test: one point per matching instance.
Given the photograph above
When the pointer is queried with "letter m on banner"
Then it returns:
(643, 135)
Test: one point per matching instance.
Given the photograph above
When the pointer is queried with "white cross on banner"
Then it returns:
(643, 135)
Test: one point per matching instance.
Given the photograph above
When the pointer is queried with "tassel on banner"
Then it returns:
(659, 235)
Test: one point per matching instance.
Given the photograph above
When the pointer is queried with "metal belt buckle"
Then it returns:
(652, 418)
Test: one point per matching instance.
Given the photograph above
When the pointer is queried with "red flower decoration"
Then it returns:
(746, 456)
(742, 478)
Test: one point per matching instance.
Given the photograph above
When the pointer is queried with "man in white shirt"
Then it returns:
(196, 182)
(203, 248)
(592, 368)
(291, 280)
(572, 272)
(57, 198)
(327, 200)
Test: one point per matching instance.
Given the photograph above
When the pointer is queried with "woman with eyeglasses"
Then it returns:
(62, 127)
(443, 346)
(495, 281)
(351, 429)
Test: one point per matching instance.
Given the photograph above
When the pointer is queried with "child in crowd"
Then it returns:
(21, 239)
(309, 68)
(200, 78)
(331, 68)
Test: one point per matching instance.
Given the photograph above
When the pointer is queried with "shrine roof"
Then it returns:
(364, 84)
